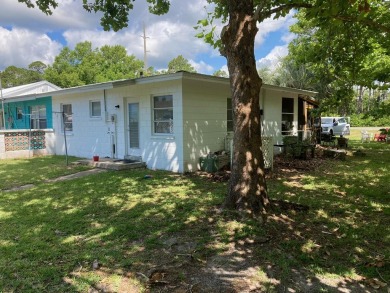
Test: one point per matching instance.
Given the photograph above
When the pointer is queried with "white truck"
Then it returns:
(335, 126)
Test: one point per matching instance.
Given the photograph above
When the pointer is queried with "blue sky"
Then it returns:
(28, 35)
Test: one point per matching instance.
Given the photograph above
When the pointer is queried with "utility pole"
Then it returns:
(145, 51)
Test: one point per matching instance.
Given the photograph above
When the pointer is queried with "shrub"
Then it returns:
(360, 120)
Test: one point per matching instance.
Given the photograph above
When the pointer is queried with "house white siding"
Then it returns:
(199, 107)
(159, 151)
(100, 136)
(271, 103)
(205, 114)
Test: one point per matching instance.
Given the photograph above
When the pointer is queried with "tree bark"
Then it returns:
(247, 190)
(360, 100)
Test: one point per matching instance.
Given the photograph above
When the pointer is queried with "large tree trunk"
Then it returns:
(247, 191)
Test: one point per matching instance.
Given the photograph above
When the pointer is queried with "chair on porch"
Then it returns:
(365, 136)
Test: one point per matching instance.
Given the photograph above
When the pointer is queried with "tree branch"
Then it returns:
(260, 15)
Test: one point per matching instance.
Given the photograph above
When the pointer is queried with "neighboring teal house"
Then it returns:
(27, 106)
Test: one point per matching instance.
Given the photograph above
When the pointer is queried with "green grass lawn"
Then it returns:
(35, 170)
(107, 232)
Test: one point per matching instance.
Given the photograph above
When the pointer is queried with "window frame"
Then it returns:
(63, 123)
(91, 114)
(170, 120)
(291, 130)
(35, 119)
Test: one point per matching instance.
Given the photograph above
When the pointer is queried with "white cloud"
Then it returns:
(20, 47)
(168, 35)
(272, 25)
(202, 67)
(69, 14)
(273, 58)
(165, 41)
(287, 38)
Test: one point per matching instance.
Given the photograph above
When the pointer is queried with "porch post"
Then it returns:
(2, 102)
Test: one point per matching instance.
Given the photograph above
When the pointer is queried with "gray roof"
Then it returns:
(40, 88)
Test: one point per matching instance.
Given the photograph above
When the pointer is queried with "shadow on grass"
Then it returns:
(119, 232)
(345, 232)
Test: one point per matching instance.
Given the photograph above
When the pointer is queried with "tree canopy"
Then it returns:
(15, 76)
(85, 65)
(337, 55)
(180, 64)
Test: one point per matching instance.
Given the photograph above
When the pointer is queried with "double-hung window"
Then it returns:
(95, 109)
(287, 116)
(67, 117)
(163, 114)
(38, 117)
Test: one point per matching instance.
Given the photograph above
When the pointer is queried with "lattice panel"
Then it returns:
(268, 151)
(17, 141)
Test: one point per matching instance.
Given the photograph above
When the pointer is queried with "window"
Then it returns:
(95, 109)
(229, 115)
(38, 117)
(67, 116)
(163, 114)
(287, 116)
(19, 113)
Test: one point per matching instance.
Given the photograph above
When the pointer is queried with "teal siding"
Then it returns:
(23, 122)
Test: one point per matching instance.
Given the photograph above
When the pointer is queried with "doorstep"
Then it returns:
(112, 164)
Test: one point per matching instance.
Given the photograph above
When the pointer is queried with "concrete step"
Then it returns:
(113, 164)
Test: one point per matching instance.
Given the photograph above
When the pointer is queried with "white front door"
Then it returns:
(133, 128)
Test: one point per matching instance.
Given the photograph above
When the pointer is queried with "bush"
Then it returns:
(367, 120)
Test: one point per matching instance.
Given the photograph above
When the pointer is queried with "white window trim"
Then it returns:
(90, 109)
(157, 134)
(68, 132)
(37, 109)
(283, 133)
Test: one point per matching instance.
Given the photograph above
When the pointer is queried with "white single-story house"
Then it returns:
(169, 121)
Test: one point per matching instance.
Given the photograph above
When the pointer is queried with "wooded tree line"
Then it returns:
(346, 63)
(84, 65)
